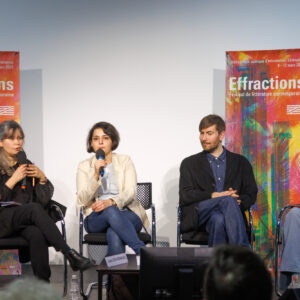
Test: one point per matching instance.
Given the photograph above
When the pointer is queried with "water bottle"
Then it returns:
(295, 286)
(295, 282)
(74, 289)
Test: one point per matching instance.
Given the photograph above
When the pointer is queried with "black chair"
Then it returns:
(201, 237)
(57, 212)
(144, 196)
(278, 244)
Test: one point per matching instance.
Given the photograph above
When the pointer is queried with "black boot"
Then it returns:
(77, 261)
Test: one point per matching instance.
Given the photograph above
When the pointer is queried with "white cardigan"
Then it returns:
(124, 171)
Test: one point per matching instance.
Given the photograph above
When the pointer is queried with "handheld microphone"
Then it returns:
(22, 160)
(100, 154)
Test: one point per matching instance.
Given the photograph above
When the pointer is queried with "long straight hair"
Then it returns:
(7, 130)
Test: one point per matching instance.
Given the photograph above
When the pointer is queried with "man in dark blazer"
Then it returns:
(216, 187)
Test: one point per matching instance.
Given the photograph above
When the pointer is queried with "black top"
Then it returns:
(197, 183)
(40, 193)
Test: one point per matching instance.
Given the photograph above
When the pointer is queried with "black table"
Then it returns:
(130, 268)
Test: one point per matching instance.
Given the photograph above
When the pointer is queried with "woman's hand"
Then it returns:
(99, 163)
(101, 205)
(17, 176)
(34, 171)
(20, 173)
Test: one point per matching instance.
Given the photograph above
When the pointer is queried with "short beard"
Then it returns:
(212, 149)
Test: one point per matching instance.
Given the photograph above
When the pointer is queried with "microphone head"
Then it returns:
(100, 153)
(21, 157)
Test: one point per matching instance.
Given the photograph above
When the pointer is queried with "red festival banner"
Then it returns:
(262, 117)
(9, 86)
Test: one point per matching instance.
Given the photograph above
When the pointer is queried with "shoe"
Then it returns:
(78, 262)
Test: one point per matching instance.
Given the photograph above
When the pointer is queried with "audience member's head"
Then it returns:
(237, 273)
(29, 289)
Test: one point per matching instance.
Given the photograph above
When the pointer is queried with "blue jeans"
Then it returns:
(121, 227)
(224, 221)
(290, 259)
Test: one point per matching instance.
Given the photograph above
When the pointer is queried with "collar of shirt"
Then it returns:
(221, 158)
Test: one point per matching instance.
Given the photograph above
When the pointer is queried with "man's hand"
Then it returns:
(234, 193)
(101, 205)
(236, 196)
(224, 193)
(230, 192)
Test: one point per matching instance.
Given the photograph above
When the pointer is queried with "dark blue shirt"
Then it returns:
(218, 167)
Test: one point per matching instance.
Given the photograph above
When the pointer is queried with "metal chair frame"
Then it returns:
(147, 205)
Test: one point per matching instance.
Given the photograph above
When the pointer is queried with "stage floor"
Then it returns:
(56, 279)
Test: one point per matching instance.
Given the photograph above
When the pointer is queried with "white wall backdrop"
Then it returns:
(152, 68)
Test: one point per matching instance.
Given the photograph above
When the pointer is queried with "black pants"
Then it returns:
(32, 222)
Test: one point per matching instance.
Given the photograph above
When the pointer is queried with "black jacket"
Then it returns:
(40, 193)
(197, 183)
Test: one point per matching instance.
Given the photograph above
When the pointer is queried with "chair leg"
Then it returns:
(65, 277)
(81, 283)
(63, 229)
(90, 287)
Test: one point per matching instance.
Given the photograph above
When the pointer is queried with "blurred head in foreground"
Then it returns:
(237, 273)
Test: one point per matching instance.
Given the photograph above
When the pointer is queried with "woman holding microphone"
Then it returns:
(25, 193)
(106, 189)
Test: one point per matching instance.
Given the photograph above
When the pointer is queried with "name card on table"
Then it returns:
(115, 260)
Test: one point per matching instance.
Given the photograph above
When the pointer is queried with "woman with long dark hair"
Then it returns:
(26, 216)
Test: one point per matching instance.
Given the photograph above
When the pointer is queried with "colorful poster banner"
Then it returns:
(9, 86)
(262, 118)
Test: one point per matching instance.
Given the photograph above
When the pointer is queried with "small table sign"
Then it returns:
(115, 260)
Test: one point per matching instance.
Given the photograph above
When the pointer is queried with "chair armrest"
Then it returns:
(58, 210)
(153, 225)
(59, 217)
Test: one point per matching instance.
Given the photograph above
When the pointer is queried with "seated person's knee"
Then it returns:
(112, 212)
(217, 220)
(228, 200)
